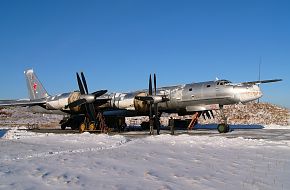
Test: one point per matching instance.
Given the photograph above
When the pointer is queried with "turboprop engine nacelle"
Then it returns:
(88, 97)
(141, 105)
(72, 98)
(142, 101)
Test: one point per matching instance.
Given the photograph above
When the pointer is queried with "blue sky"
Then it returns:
(118, 43)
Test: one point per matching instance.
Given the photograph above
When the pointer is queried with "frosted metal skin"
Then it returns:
(188, 98)
(181, 99)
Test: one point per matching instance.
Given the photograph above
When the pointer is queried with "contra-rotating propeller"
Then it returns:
(88, 99)
(153, 99)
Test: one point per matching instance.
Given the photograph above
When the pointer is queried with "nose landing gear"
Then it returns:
(223, 127)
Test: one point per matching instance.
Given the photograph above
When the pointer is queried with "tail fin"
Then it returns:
(35, 88)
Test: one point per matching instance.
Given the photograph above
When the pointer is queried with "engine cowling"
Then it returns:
(72, 98)
(141, 106)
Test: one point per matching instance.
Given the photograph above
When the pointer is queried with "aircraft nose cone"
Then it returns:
(248, 93)
(257, 91)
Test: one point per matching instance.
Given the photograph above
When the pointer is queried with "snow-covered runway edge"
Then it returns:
(89, 161)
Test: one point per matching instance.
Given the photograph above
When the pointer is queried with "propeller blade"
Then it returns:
(99, 102)
(207, 114)
(80, 84)
(99, 93)
(92, 113)
(199, 114)
(211, 112)
(150, 85)
(76, 103)
(203, 115)
(154, 84)
(84, 82)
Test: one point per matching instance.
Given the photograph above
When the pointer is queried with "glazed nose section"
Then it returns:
(252, 93)
(257, 92)
(247, 93)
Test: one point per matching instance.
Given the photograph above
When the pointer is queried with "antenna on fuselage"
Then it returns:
(260, 62)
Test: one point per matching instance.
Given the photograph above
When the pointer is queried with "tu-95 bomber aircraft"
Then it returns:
(85, 111)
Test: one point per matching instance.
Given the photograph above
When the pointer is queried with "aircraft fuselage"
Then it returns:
(182, 99)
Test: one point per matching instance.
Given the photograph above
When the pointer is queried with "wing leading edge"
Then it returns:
(262, 81)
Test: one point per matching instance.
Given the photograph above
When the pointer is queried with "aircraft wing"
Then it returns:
(120, 113)
(262, 81)
(21, 102)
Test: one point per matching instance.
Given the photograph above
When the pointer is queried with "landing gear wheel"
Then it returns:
(92, 127)
(82, 128)
(63, 126)
(223, 128)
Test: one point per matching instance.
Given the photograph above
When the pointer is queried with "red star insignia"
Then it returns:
(34, 86)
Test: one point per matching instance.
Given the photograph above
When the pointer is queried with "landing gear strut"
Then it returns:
(87, 125)
(91, 126)
(223, 127)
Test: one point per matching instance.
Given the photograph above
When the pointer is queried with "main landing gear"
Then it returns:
(223, 127)
(87, 126)
(92, 126)
(84, 123)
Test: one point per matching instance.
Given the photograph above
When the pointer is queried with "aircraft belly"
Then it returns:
(202, 107)
(39, 109)
(57, 104)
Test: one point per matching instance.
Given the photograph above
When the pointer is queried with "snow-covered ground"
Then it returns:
(89, 161)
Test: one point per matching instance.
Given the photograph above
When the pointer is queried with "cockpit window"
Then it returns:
(223, 82)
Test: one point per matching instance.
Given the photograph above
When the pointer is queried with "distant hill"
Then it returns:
(250, 113)
(20, 116)
(254, 113)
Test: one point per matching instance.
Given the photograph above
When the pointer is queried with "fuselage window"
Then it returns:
(190, 89)
(208, 86)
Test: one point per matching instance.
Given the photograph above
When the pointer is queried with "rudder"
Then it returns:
(35, 88)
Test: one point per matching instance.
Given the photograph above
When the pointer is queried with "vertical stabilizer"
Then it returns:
(35, 88)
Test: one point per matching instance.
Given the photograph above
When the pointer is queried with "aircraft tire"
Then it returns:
(92, 127)
(63, 126)
(223, 128)
(82, 128)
